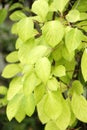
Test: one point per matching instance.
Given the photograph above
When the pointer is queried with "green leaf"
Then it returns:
(59, 71)
(30, 82)
(3, 15)
(39, 92)
(12, 57)
(64, 119)
(58, 5)
(53, 105)
(36, 53)
(14, 28)
(17, 15)
(83, 16)
(32, 53)
(40, 8)
(84, 64)
(3, 90)
(13, 106)
(73, 16)
(20, 115)
(73, 39)
(51, 125)
(25, 29)
(41, 113)
(15, 6)
(15, 86)
(79, 107)
(24, 50)
(29, 104)
(81, 5)
(18, 43)
(53, 32)
(73, 119)
(66, 54)
(76, 87)
(53, 84)
(43, 69)
(11, 70)
(57, 53)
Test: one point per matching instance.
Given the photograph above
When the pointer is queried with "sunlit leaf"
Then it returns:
(73, 16)
(40, 7)
(58, 5)
(64, 119)
(15, 86)
(53, 32)
(53, 105)
(84, 64)
(39, 92)
(29, 104)
(17, 15)
(79, 107)
(73, 39)
(11, 70)
(59, 71)
(43, 69)
(13, 106)
(30, 82)
(41, 113)
(12, 57)
(51, 126)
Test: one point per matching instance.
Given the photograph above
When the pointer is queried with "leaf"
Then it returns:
(20, 115)
(73, 16)
(84, 64)
(24, 51)
(29, 104)
(30, 82)
(40, 109)
(3, 90)
(53, 105)
(66, 54)
(73, 119)
(3, 15)
(81, 5)
(51, 125)
(43, 69)
(59, 71)
(83, 16)
(13, 106)
(14, 28)
(15, 6)
(57, 53)
(39, 92)
(25, 29)
(15, 86)
(64, 119)
(11, 70)
(53, 84)
(40, 8)
(79, 107)
(36, 53)
(76, 87)
(17, 15)
(12, 57)
(53, 32)
(73, 39)
(58, 5)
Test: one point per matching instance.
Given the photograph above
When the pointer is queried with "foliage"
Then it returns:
(48, 68)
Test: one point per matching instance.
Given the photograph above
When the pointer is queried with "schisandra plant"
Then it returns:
(49, 66)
